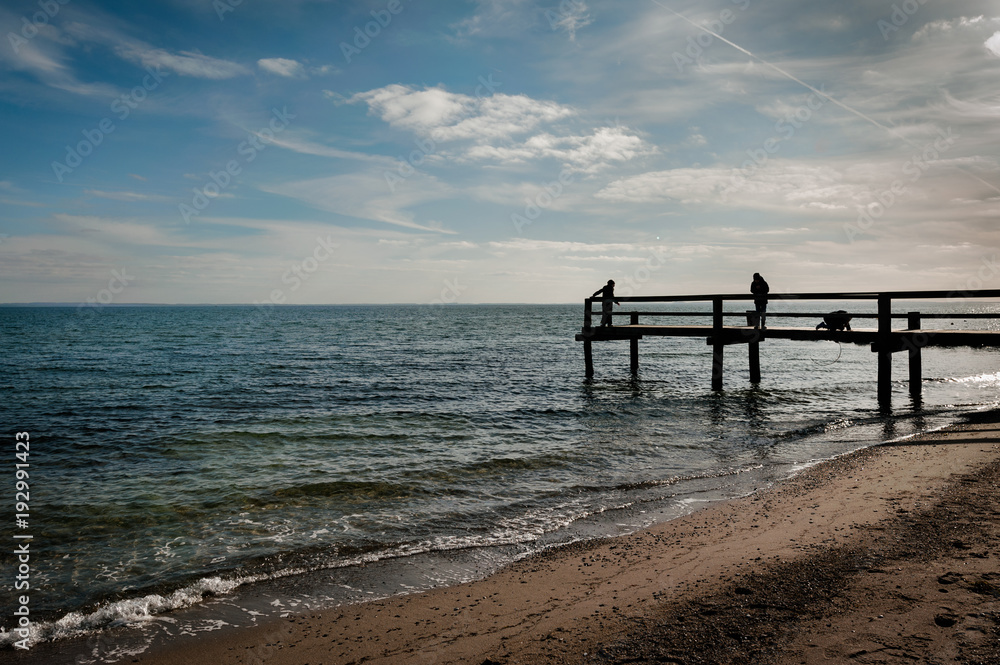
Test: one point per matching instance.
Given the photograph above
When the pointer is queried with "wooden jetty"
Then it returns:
(883, 339)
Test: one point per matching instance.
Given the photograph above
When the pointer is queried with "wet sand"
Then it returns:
(891, 554)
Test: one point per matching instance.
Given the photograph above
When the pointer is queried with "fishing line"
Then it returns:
(840, 350)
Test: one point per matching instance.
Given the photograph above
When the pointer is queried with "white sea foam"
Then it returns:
(129, 612)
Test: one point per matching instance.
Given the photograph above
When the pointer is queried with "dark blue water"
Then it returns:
(183, 451)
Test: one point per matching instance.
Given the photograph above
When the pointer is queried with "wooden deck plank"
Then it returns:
(744, 334)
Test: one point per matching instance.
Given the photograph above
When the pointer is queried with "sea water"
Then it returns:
(236, 462)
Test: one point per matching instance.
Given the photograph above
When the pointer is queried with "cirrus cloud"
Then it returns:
(185, 63)
(283, 67)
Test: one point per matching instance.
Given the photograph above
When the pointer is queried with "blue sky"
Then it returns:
(296, 151)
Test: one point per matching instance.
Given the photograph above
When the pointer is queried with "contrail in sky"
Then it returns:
(809, 87)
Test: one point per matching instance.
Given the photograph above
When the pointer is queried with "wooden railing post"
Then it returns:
(587, 317)
(916, 378)
(884, 337)
(717, 345)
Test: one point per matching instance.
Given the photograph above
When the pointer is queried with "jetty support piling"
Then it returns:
(916, 371)
(884, 342)
(718, 345)
(753, 357)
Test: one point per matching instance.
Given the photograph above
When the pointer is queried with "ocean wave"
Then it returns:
(121, 613)
(349, 490)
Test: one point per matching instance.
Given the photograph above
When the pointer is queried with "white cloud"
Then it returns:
(367, 195)
(19, 202)
(448, 116)
(294, 143)
(493, 125)
(946, 27)
(36, 58)
(184, 63)
(993, 44)
(580, 153)
(497, 17)
(420, 111)
(786, 185)
(827, 188)
(502, 116)
(127, 196)
(695, 138)
(44, 59)
(283, 67)
(683, 184)
(114, 231)
(514, 18)
(323, 70)
(569, 246)
(570, 17)
(576, 196)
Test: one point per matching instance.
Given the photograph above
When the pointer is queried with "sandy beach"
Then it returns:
(886, 555)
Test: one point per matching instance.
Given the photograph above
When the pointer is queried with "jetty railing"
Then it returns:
(884, 339)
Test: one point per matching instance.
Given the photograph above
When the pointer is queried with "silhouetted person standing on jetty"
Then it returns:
(759, 288)
(607, 301)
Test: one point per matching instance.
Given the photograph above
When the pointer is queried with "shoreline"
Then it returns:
(602, 601)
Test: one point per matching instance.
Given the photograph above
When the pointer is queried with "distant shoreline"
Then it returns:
(269, 305)
(126, 305)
